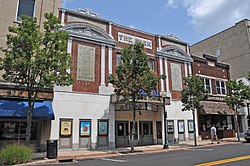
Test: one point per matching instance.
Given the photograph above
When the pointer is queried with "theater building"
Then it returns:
(215, 74)
(89, 115)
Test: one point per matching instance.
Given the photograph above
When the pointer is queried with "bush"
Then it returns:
(15, 154)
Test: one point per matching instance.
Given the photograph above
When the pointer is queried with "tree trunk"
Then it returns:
(29, 119)
(133, 127)
(237, 128)
(195, 141)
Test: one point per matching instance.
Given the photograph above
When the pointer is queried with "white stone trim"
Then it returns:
(63, 17)
(103, 65)
(214, 78)
(190, 69)
(161, 73)
(167, 78)
(186, 69)
(110, 61)
(159, 42)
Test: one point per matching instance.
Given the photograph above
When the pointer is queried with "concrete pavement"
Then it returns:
(70, 155)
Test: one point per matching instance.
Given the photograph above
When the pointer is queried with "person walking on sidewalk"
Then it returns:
(213, 134)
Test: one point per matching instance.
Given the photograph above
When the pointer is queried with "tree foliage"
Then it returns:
(238, 95)
(193, 93)
(133, 74)
(36, 60)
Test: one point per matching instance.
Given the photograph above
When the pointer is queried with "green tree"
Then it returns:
(237, 98)
(36, 60)
(132, 76)
(191, 97)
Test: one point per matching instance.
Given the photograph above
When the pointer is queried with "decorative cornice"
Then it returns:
(85, 31)
(175, 53)
(89, 12)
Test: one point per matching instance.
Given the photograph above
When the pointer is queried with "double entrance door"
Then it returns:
(124, 131)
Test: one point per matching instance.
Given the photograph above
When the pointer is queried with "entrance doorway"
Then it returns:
(146, 133)
(121, 132)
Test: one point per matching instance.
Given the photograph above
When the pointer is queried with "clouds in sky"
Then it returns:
(211, 16)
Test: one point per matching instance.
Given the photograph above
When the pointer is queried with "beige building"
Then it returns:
(11, 10)
(13, 104)
(231, 46)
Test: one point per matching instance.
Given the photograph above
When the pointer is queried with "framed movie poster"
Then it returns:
(170, 126)
(181, 126)
(66, 127)
(103, 127)
(190, 126)
(85, 128)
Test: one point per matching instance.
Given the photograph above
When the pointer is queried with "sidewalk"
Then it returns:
(70, 155)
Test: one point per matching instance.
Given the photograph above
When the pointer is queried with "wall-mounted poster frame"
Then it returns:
(65, 127)
(190, 126)
(181, 126)
(170, 126)
(103, 127)
(85, 128)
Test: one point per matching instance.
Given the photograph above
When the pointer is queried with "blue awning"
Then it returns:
(19, 109)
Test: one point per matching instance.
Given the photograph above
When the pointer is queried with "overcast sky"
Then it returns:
(190, 20)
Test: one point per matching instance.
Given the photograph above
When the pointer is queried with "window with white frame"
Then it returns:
(207, 85)
(25, 7)
(151, 64)
(221, 87)
(118, 59)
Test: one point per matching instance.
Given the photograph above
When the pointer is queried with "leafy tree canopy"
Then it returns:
(193, 93)
(133, 74)
(238, 95)
(35, 59)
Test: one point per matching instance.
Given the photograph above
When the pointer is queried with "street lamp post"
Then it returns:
(166, 101)
(165, 145)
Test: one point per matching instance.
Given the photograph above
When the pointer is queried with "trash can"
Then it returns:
(51, 149)
(220, 134)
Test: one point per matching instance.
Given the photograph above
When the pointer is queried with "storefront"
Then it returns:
(13, 114)
(218, 114)
(148, 121)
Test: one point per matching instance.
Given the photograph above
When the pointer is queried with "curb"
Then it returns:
(113, 154)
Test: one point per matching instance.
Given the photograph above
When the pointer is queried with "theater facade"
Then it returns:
(89, 115)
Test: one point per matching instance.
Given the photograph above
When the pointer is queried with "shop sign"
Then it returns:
(216, 98)
(130, 39)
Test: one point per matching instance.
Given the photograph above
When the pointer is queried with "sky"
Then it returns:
(190, 20)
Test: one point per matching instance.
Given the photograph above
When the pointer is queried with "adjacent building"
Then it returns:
(215, 111)
(13, 101)
(231, 46)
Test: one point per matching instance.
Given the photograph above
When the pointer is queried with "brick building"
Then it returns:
(88, 115)
(231, 46)
(13, 101)
(215, 74)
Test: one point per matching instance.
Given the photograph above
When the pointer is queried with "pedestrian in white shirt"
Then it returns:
(213, 135)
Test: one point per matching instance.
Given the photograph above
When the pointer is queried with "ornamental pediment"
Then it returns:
(88, 32)
(174, 52)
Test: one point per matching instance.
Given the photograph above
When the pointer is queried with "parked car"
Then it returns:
(247, 135)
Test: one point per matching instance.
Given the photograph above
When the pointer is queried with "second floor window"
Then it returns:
(151, 64)
(118, 59)
(207, 85)
(221, 87)
(25, 7)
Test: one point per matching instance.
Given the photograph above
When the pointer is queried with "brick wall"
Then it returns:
(86, 86)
